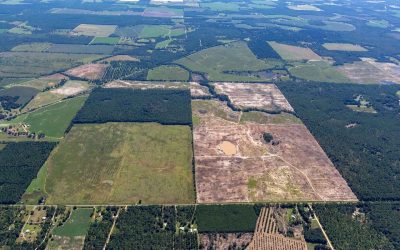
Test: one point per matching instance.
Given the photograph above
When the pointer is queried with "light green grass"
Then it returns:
(152, 31)
(52, 120)
(40, 83)
(219, 60)
(263, 118)
(109, 164)
(31, 47)
(105, 40)
(221, 6)
(163, 44)
(77, 224)
(168, 73)
(318, 72)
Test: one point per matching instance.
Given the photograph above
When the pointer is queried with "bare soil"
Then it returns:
(88, 71)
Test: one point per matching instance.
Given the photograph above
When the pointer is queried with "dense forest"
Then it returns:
(165, 106)
(19, 164)
(349, 229)
(152, 227)
(99, 230)
(367, 152)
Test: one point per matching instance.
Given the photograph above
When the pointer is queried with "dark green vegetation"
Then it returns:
(16, 97)
(366, 154)
(9, 216)
(19, 164)
(368, 226)
(267, 137)
(233, 218)
(155, 228)
(98, 231)
(165, 106)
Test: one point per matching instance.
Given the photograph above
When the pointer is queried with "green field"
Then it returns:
(31, 47)
(149, 31)
(233, 218)
(168, 73)
(163, 44)
(221, 6)
(219, 60)
(109, 164)
(52, 120)
(105, 40)
(32, 64)
(77, 224)
(317, 71)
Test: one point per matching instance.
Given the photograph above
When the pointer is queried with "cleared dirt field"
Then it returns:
(296, 169)
(108, 164)
(224, 240)
(294, 53)
(88, 71)
(344, 47)
(119, 58)
(197, 90)
(254, 95)
(94, 30)
(370, 71)
(265, 241)
(146, 85)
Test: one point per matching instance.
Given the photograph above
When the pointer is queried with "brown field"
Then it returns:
(265, 241)
(88, 71)
(370, 71)
(225, 240)
(297, 169)
(196, 90)
(94, 30)
(119, 58)
(146, 85)
(344, 47)
(294, 53)
(254, 95)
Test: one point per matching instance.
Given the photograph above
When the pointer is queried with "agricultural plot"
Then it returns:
(52, 121)
(294, 53)
(31, 47)
(90, 71)
(165, 106)
(370, 71)
(21, 94)
(119, 58)
(227, 62)
(254, 96)
(168, 73)
(165, 12)
(42, 83)
(318, 71)
(69, 89)
(119, 170)
(94, 30)
(71, 234)
(33, 64)
(344, 47)
(105, 40)
(150, 31)
(224, 240)
(293, 167)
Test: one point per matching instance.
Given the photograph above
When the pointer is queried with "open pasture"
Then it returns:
(40, 83)
(105, 40)
(107, 164)
(344, 47)
(94, 30)
(52, 120)
(81, 49)
(146, 85)
(254, 95)
(294, 53)
(318, 71)
(165, 12)
(33, 64)
(168, 73)
(226, 62)
(31, 47)
(234, 163)
(90, 71)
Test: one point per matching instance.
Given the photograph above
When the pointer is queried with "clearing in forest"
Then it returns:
(344, 47)
(292, 167)
(255, 95)
(94, 30)
(90, 71)
(294, 53)
(108, 164)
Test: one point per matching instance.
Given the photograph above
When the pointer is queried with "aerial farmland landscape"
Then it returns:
(200, 124)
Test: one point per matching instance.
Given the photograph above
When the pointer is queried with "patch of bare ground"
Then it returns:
(88, 71)
(254, 95)
(71, 88)
(146, 85)
(56, 76)
(222, 241)
(196, 90)
(294, 168)
(368, 70)
(119, 58)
